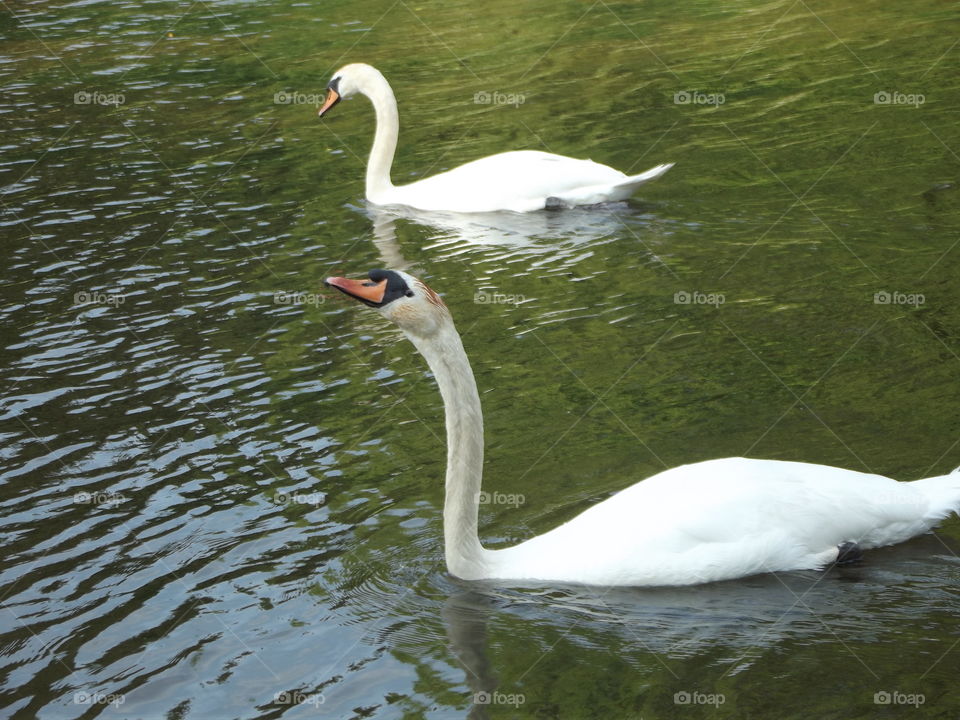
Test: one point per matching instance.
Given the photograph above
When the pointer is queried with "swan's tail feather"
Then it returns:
(943, 492)
(631, 182)
(593, 194)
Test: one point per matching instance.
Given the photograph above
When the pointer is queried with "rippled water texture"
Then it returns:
(221, 488)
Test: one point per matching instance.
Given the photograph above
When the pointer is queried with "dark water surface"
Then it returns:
(221, 488)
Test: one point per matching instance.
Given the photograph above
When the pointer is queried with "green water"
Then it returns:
(260, 534)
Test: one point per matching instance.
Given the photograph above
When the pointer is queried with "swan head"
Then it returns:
(401, 298)
(348, 81)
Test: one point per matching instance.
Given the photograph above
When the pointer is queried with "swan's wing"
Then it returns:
(620, 190)
(726, 518)
(721, 500)
(521, 181)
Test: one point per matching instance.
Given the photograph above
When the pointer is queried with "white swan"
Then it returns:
(521, 181)
(711, 520)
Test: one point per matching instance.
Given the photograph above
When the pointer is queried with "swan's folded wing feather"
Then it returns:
(521, 181)
(724, 518)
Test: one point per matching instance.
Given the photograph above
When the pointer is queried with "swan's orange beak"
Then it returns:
(333, 97)
(366, 291)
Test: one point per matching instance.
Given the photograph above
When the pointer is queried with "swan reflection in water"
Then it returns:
(704, 633)
(560, 236)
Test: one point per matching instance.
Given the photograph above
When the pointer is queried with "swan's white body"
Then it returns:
(729, 518)
(520, 181)
(713, 520)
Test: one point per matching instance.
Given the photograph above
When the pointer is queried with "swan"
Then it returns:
(703, 522)
(522, 181)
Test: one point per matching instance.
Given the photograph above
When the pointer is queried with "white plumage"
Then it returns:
(729, 518)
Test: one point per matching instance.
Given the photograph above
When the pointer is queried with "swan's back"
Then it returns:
(723, 519)
(520, 180)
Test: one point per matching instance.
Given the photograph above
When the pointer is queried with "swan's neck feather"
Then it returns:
(381, 95)
(445, 355)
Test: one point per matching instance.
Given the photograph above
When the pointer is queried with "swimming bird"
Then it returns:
(521, 180)
(706, 521)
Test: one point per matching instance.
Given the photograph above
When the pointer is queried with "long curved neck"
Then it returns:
(464, 420)
(385, 140)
